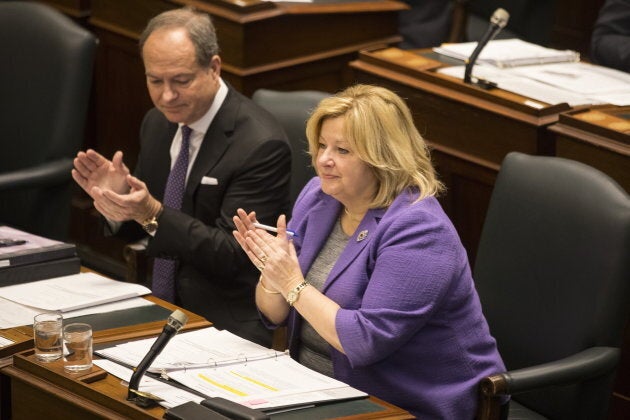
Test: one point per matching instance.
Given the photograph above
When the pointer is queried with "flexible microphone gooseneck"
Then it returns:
(498, 21)
(174, 323)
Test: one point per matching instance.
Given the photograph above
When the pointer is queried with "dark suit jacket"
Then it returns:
(610, 42)
(247, 152)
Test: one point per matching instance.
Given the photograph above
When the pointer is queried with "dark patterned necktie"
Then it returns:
(164, 269)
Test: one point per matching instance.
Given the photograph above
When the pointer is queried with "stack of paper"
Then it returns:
(75, 295)
(571, 83)
(509, 53)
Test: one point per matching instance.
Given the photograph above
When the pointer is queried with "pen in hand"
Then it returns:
(273, 229)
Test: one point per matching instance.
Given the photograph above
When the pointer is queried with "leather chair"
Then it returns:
(553, 276)
(45, 81)
(292, 110)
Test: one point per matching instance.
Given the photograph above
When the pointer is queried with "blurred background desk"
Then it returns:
(598, 136)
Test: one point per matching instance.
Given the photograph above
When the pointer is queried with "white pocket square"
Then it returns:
(208, 180)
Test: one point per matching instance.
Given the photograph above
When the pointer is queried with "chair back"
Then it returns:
(553, 272)
(292, 110)
(45, 81)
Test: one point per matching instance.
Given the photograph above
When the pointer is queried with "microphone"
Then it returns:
(174, 323)
(498, 21)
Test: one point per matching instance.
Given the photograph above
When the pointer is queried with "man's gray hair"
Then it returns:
(198, 25)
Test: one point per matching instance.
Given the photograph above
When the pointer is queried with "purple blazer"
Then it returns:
(410, 320)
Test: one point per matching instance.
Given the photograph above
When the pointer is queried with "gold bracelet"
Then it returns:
(262, 286)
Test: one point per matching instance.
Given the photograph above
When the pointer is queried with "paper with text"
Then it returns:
(204, 347)
(73, 292)
(276, 382)
(14, 315)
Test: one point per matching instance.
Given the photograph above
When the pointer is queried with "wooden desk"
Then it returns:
(469, 129)
(125, 329)
(30, 389)
(44, 390)
(598, 136)
(23, 336)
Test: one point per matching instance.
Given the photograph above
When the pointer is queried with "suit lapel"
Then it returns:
(215, 143)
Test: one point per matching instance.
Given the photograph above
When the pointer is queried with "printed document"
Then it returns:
(204, 347)
(218, 363)
(14, 315)
(505, 53)
(73, 292)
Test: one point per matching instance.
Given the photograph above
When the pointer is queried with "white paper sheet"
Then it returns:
(171, 395)
(14, 315)
(204, 347)
(73, 292)
(5, 342)
(581, 78)
(508, 53)
(275, 382)
(521, 85)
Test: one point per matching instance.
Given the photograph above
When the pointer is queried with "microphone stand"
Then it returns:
(497, 22)
(144, 399)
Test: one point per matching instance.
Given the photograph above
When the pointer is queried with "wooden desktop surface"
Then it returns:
(44, 390)
(22, 336)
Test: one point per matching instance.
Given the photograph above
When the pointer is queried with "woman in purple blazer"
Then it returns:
(374, 284)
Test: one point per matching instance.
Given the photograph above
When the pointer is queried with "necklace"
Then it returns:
(351, 216)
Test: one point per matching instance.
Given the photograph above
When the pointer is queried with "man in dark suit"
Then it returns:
(237, 156)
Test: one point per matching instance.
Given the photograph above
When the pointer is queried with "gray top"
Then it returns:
(314, 350)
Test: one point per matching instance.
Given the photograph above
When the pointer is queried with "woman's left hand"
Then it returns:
(274, 256)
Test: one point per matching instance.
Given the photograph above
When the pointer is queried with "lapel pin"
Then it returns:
(362, 235)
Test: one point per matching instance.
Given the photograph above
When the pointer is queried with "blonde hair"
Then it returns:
(380, 130)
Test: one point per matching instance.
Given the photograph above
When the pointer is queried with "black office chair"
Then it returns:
(45, 80)
(292, 110)
(553, 275)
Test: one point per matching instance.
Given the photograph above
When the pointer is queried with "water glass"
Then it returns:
(77, 347)
(47, 336)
